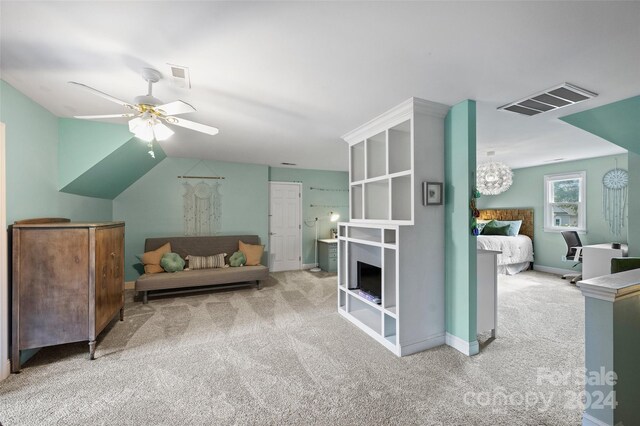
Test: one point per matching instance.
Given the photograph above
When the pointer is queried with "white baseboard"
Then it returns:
(5, 369)
(589, 420)
(557, 271)
(308, 265)
(423, 345)
(467, 348)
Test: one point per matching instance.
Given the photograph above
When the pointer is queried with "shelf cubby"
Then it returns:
(362, 233)
(390, 329)
(376, 155)
(366, 314)
(342, 300)
(401, 208)
(400, 147)
(356, 202)
(357, 162)
(376, 200)
(342, 263)
(389, 236)
(389, 279)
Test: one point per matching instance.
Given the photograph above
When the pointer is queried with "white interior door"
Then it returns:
(284, 226)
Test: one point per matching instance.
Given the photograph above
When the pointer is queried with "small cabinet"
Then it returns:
(328, 255)
(67, 283)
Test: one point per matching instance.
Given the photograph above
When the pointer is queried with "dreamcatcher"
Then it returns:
(614, 198)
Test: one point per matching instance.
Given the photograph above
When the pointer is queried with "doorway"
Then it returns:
(285, 229)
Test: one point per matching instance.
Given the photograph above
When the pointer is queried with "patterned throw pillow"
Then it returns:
(207, 262)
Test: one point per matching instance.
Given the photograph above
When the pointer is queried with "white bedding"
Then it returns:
(516, 254)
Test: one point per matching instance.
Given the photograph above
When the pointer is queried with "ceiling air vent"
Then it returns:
(549, 100)
(180, 76)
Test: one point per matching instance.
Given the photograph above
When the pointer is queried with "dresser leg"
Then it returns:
(122, 314)
(15, 362)
(259, 285)
(145, 299)
(92, 349)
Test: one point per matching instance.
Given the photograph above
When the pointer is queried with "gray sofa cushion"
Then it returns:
(201, 277)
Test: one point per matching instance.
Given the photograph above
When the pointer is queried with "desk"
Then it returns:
(596, 259)
(327, 254)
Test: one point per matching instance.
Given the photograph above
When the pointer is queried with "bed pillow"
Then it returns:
(151, 259)
(491, 229)
(481, 223)
(253, 253)
(207, 262)
(514, 226)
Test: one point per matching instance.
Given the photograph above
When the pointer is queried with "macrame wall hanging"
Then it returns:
(202, 204)
(614, 198)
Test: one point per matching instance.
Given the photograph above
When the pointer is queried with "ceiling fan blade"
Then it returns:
(175, 108)
(103, 95)
(193, 125)
(92, 117)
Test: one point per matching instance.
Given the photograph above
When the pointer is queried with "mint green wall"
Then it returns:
(528, 191)
(32, 164)
(626, 352)
(633, 234)
(336, 201)
(152, 206)
(83, 144)
(460, 244)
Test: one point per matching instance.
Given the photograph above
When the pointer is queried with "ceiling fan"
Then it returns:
(150, 113)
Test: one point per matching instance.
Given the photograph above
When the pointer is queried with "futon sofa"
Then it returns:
(189, 280)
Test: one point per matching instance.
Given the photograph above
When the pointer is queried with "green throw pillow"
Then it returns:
(237, 259)
(514, 226)
(490, 229)
(172, 262)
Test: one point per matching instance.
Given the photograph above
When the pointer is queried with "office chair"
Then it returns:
(573, 245)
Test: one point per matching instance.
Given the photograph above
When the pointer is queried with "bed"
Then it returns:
(517, 251)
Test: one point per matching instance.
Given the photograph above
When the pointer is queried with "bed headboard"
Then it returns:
(526, 215)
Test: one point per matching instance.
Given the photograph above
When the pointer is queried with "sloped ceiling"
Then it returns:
(101, 160)
(618, 122)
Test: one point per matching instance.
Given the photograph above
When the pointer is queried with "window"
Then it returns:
(565, 204)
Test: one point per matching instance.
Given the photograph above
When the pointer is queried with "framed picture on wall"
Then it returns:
(432, 193)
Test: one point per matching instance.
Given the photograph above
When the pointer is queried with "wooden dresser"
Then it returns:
(67, 283)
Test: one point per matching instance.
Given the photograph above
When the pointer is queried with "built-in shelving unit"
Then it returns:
(378, 246)
(390, 229)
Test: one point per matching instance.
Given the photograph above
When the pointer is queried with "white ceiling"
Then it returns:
(283, 81)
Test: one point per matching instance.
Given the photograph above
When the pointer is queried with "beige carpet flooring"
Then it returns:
(283, 355)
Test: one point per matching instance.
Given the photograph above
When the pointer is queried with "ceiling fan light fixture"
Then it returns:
(144, 131)
(162, 132)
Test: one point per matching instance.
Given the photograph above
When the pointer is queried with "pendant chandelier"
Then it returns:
(494, 177)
